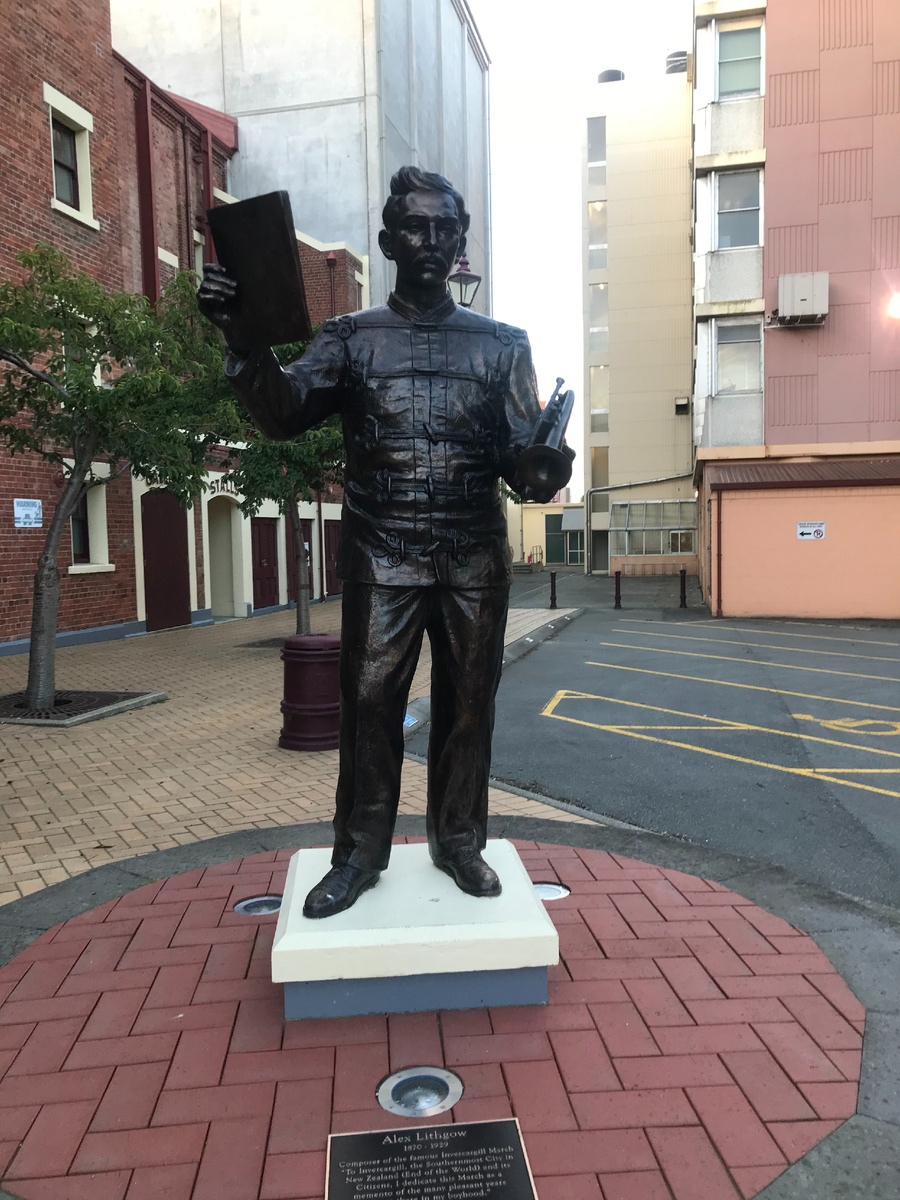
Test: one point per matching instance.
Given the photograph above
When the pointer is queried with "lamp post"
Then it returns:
(463, 284)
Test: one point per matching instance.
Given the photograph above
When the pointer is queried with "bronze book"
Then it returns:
(256, 244)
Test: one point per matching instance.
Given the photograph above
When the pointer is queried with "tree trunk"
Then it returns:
(40, 691)
(301, 567)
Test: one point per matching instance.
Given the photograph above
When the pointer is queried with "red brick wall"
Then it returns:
(67, 46)
(317, 281)
(85, 600)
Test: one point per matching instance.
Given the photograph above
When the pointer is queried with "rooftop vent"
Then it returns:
(610, 76)
(676, 62)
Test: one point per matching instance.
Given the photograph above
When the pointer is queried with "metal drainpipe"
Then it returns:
(719, 554)
(331, 259)
(615, 487)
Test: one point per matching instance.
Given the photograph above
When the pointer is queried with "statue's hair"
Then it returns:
(414, 179)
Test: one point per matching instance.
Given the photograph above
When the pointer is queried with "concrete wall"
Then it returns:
(833, 204)
(330, 99)
(648, 197)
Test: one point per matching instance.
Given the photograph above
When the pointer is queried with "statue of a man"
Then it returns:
(437, 404)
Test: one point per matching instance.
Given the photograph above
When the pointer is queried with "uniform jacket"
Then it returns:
(435, 408)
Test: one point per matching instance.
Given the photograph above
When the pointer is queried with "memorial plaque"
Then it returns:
(478, 1160)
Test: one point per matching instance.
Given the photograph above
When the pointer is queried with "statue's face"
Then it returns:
(426, 241)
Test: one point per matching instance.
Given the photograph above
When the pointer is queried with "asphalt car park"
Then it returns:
(776, 740)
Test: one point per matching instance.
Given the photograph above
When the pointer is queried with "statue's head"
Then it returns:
(425, 225)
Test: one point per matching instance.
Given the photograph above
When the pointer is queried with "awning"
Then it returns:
(573, 519)
(823, 473)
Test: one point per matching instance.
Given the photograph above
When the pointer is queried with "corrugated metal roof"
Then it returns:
(827, 472)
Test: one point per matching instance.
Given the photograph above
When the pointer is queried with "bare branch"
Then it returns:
(41, 376)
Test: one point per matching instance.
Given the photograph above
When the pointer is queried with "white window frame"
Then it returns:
(727, 27)
(80, 121)
(98, 530)
(717, 175)
(717, 324)
(631, 534)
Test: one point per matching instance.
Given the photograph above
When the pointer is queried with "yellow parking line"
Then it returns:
(750, 687)
(858, 770)
(806, 772)
(721, 723)
(752, 662)
(686, 637)
(816, 637)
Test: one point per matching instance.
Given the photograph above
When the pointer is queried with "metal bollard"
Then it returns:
(618, 603)
(683, 574)
(311, 704)
(553, 589)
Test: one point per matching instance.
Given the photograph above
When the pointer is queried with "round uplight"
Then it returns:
(258, 906)
(419, 1091)
(894, 306)
(551, 891)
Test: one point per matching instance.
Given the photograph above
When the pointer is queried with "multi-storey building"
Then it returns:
(332, 99)
(118, 173)
(637, 322)
(797, 238)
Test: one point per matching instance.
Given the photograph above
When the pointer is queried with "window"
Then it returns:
(652, 527)
(596, 151)
(65, 164)
(740, 60)
(70, 130)
(555, 538)
(81, 545)
(738, 209)
(597, 236)
(599, 399)
(598, 319)
(738, 366)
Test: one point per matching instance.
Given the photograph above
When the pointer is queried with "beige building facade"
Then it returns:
(638, 333)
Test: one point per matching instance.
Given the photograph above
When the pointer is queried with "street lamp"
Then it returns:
(463, 284)
(894, 306)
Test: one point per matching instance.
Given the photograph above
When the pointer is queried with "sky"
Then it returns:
(545, 58)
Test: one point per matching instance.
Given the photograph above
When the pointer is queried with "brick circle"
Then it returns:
(694, 1045)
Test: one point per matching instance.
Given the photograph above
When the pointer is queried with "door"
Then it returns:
(264, 547)
(306, 534)
(333, 585)
(167, 584)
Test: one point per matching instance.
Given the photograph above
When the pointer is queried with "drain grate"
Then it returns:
(552, 891)
(419, 1091)
(258, 906)
(70, 708)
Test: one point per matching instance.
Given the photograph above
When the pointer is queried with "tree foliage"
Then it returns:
(92, 376)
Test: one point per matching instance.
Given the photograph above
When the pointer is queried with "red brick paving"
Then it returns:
(694, 1046)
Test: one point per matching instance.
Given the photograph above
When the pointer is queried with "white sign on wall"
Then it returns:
(810, 531)
(29, 514)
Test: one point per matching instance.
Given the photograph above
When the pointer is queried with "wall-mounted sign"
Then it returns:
(810, 531)
(222, 484)
(29, 514)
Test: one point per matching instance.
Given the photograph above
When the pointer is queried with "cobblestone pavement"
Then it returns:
(204, 763)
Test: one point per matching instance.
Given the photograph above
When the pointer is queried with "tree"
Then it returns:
(103, 377)
(289, 473)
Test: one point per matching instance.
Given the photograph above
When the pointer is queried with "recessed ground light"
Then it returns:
(258, 906)
(419, 1091)
(551, 891)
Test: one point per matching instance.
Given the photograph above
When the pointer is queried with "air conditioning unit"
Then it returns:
(802, 299)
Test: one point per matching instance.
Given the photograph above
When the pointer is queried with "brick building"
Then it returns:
(118, 174)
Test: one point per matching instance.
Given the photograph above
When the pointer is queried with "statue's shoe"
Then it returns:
(471, 874)
(340, 888)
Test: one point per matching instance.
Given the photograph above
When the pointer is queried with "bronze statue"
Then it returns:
(437, 403)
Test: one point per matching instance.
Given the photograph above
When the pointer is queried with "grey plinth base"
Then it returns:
(414, 993)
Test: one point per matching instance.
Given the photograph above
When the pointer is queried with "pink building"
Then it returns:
(798, 424)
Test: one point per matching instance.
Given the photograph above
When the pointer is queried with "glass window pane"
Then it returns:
(596, 139)
(653, 541)
(552, 523)
(738, 77)
(739, 43)
(738, 190)
(599, 466)
(618, 514)
(63, 145)
(654, 511)
(576, 547)
(597, 236)
(599, 311)
(636, 516)
(598, 258)
(598, 341)
(670, 513)
(738, 229)
(599, 422)
(65, 189)
(599, 388)
(600, 501)
(617, 543)
(635, 542)
(738, 367)
(597, 175)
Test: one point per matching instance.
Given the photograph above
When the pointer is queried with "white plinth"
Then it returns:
(413, 942)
